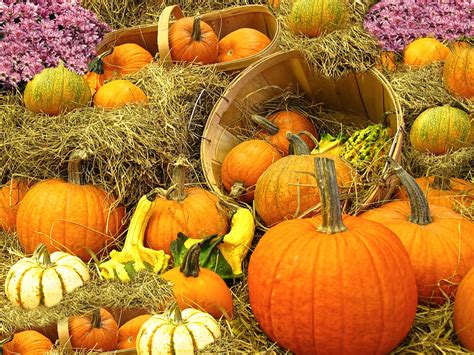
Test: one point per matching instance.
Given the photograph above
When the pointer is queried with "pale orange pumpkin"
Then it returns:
(118, 93)
(241, 43)
(124, 59)
(424, 51)
(458, 72)
(127, 333)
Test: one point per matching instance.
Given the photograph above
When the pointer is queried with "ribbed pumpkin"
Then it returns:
(312, 18)
(279, 123)
(121, 60)
(464, 311)
(28, 342)
(439, 241)
(244, 164)
(193, 40)
(118, 93)
(241, 43)
(177, 332)
(424, 51)
(316, 285)
(458, 72)
(56, 90)
(69, 215)
(98, 330)
(440, 129)
(11, 195)
(287, 189)
(191, 211)
(127, 333)
(44, 279)
(452, 193)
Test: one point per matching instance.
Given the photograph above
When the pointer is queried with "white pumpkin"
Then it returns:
(178, 332)
(44, 279)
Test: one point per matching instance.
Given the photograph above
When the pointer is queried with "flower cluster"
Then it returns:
(396, 23)
(39, 33)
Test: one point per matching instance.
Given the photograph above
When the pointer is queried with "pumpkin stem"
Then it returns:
(190, 265)
(265, 123)
(297, 145)
(42, 256)
(74, 167)
(196, 34)
(97, 64)
(420, 210)
(177, 191)
(441, 183)
(96, 319)
(7, 339)
(237, 190)
(173, 312)
(331, 210)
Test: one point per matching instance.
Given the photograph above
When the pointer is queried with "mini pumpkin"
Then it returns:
(28, 342)
(464, 311)
(127, 333)
(241, 43)
(118, 93)
(11, 195)
(177, 332)
(44, 279)
(121, 60)
(458, 72)
(424, 51)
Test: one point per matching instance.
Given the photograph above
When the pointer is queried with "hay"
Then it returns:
(129, 148)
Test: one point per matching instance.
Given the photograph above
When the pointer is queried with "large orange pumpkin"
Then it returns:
(424, 51)
(200, 288)
(124, 59)
(193, 40)
(69, 215)
(464, 311)
(458, 72)
(11, 195)
(192, 211)
(93, 332)
(241, 43)
(28, 342)
(118, 93)
(127, 333)
(244, 164)
(287, 189)
(439, 241)
(332, 284)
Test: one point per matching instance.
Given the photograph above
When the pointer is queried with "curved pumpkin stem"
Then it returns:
(96, 321)
(196, 34)
(441, 183)
(173, 312)
(420, 210)
(6, 340)
(97, 64)
(265, 123)
(190, 265)
(297, 145)
(41, 255)
(177, 191)
(331, 210)
(75, 168)
(237, 190)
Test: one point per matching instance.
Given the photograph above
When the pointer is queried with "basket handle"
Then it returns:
(163, 30)
(64, 337)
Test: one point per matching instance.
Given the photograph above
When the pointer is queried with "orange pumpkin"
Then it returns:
(424, 51)
(458, 72)
(439, 241)
(287, 189)
(93, 332)
(94, 80)
(241, 43)
(193, 40)
(118, 93)
(192, 211)
(388, 61)
(279, 123)
(69, 215)
(199, 288)
(28, 342)
(127, 58)
(464, 311)
(127, 333)
(244, 164)
(11, 195)
(317, 284)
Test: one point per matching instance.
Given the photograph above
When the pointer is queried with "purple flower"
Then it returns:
(37, 34)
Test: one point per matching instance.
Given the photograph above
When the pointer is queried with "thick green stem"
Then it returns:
(265, 124)
(97, 64)
(173, 312)
(190, 265)
(96, 321)
(75, 167)
(42, 256)
(197, 35)
(331, 210)
(297, 145)
(420, 210)
(441, 183)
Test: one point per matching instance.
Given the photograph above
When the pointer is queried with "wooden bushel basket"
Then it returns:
(154, 38)
(366, 95)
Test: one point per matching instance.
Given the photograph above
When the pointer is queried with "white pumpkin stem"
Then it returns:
(42, 256)
(173, 312)
(75, 167)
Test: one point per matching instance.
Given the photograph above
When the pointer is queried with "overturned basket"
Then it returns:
(154, 38)
(367, 96)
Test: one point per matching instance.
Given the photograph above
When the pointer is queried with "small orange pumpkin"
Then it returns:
(124, 59)
(28, 342)
(464, 311)
(11, 195)
(388, 61)
(118, 93)
(127, 333)
(193, 40)
(94, 80)
(458, 72)
(241, 43)
(424, 51)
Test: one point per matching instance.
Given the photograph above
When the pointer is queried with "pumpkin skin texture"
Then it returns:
(56, 90)
(424, 51)
(127, 333)
(440, 129)
(439, 241)
(69, 216)
(241, 43)
(94, 332)
(44, 279)
(127, 58)
(200, 288)
(312, 18)
(118, 93)
(458, 72)
(11, 195)
(94, 80)
(165, 333)
(464, 311)
(244, 164)
(28, 342)
(316, 292)
(193, 40)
